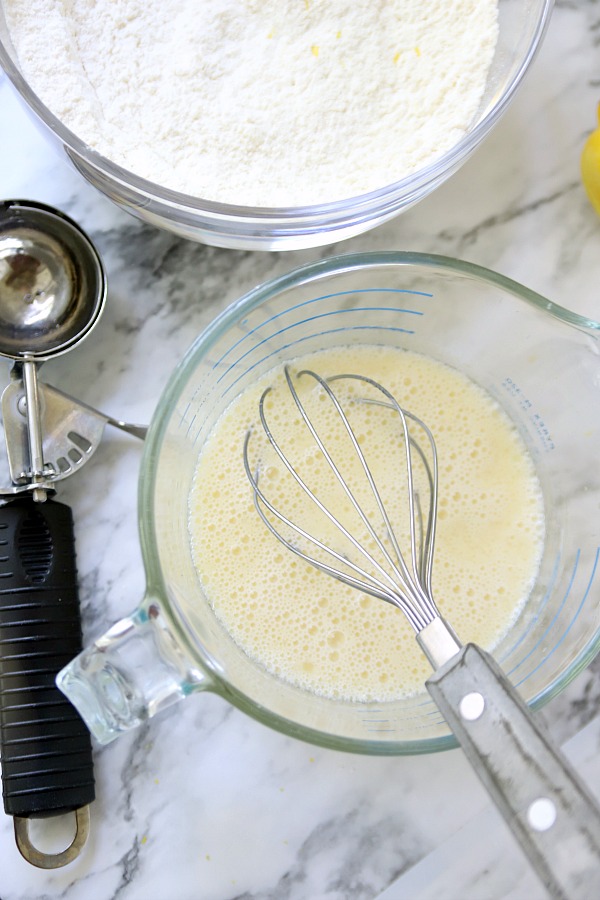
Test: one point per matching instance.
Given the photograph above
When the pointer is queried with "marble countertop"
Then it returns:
(203, 803)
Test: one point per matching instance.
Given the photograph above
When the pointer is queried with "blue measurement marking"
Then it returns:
(573, 620)
(301, 340)
(191, 422)
(318, 300)
(184, 418)
(185, 412)
(426, 725)
(535, 618)
(554, 618)
(304, 303)
(423, 709)
(189, 409)
(336, 312)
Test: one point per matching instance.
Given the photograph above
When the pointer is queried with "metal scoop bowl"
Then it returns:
(52, 292)
(52, 282)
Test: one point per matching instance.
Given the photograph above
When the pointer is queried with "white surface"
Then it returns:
(480, 860)
(204, 803)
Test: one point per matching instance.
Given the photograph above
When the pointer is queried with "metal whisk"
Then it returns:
(406, 585)
(549, 810)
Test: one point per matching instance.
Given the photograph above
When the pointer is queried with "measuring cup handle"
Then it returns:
(45, 747)
(131, 673)
(548, 809)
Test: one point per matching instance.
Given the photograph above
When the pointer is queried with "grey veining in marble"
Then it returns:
(204, 803)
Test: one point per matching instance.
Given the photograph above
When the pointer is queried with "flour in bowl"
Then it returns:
(262, 102)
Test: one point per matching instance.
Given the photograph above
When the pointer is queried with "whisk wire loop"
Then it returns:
(422, 562)
(370, 583)
(408, 588)
(373, 586)
(400, 570)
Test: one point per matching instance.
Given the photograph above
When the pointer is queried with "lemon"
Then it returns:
(590, 166)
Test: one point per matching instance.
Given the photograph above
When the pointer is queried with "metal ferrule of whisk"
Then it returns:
(403, 580)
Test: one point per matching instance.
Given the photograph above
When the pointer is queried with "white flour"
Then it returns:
(263, 102)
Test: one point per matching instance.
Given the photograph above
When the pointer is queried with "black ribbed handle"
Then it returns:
(45, 746)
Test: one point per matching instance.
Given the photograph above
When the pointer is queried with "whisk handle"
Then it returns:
(549, 810)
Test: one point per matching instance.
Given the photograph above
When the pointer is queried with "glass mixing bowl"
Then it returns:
(540, 361)
(521, 26)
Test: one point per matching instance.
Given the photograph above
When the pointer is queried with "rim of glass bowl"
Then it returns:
(167, 403)
(261, 223)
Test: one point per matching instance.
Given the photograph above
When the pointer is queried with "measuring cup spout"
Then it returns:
(132, 672)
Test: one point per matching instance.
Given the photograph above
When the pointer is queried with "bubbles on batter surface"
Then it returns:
(308, 628)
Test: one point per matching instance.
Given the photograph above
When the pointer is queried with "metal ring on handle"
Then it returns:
(52, 860)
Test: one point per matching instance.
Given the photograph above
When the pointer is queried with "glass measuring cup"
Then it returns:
(539, 360)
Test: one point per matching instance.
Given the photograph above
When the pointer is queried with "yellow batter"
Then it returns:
(303, 625)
